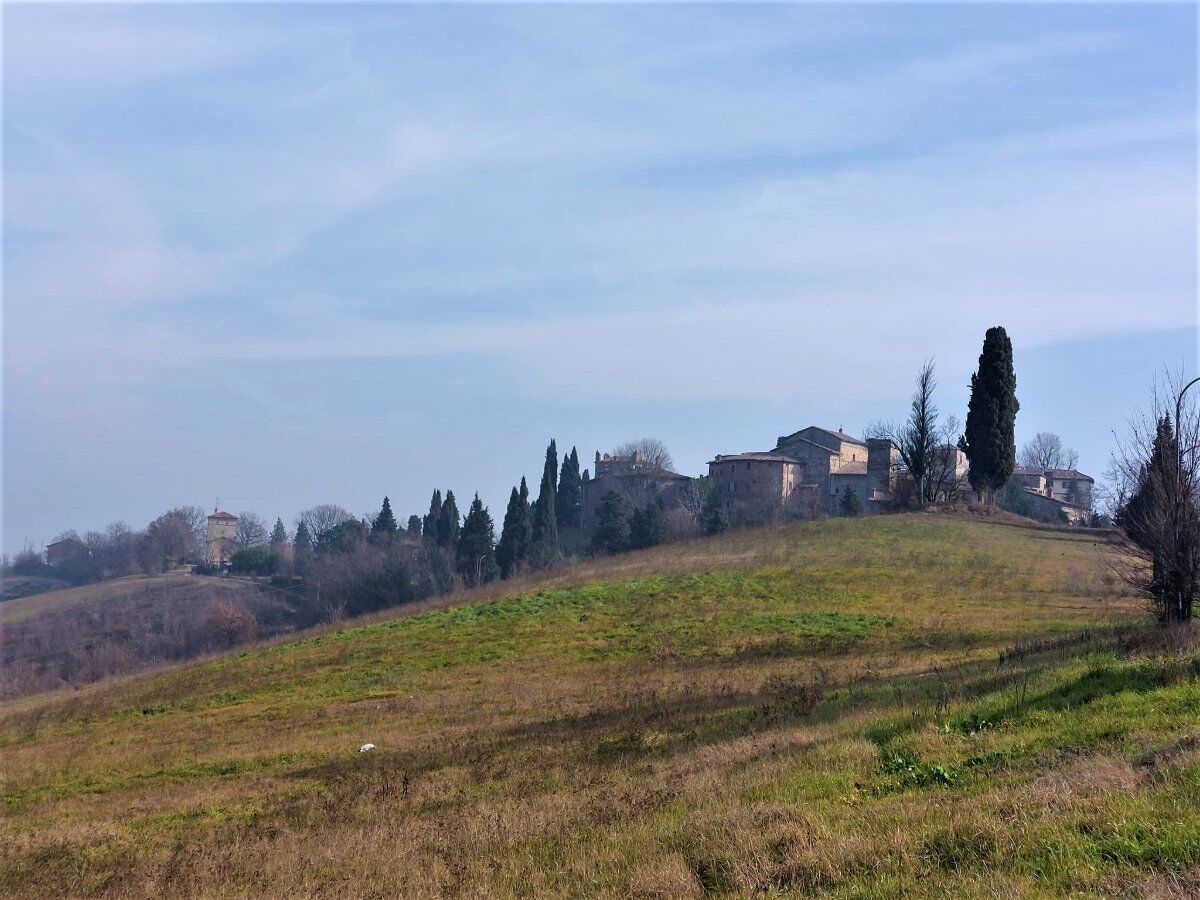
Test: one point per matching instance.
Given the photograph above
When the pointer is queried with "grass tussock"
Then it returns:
(912, 705)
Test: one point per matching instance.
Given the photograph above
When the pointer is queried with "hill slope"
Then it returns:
(918, 704)
(116, 590)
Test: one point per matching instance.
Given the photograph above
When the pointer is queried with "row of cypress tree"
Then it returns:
(533, 532)
(536, 532)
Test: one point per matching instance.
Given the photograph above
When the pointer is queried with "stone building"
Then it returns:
(66, 552)
(222, 538)
(635, 480)
(758, 487)
(1057, 494)
(1064, 485)
(806, 474)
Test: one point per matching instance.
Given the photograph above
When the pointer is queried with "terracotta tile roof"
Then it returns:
(1069, 473)
(858, 467)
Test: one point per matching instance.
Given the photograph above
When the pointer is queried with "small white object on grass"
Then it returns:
(365, 747)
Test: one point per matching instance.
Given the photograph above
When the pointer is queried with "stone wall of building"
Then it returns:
(221, 541)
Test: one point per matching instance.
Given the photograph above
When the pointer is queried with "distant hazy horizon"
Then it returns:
(296, 254)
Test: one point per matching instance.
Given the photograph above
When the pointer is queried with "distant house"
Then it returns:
(221, 541)
(66, 552)
(1067, 487)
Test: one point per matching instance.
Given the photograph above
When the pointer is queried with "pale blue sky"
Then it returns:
(289, 255)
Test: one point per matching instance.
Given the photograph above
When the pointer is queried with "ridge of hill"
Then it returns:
(923, 704)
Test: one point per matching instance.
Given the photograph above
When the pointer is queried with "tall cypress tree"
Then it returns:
(990, 440)
(568, 503)
(449, 523)
(303, 544)
(279, 535)
(545, 521)
(475, 555)
(384, 526)
(1143, 516)
(517, 533)
(430, 525)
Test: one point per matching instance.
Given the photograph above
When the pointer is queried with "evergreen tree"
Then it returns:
(414, 526)
(568, 503)
(517, 533)
(647, 527)
(430, 525)
(302, 544)
(545, 522)
(612, 525)
(449, 523)
(384, 526)
(1145, 517)
(850, 504)
(475, 554)
(1015, 499)
(714, 520)
(279, 536)
(990, 440)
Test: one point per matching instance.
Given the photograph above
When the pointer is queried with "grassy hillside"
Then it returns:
(116, 589)
(14, 587)
(918, 705)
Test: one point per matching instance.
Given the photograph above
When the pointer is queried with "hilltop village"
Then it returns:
(811, 473)
(816, 472)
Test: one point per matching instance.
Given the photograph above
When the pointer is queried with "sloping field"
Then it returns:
(118, 589)
(901, 706)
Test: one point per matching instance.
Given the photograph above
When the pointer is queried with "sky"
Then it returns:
(282, 255)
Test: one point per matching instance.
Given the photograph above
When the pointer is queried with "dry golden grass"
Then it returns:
(104, 591)
(914, 705)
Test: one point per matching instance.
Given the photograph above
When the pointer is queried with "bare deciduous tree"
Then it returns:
(251, 530)
(171, 538)
(943, 483)
(196, 519)
(693, 499)
(322, 519)
(1157, 472)
(650, 451)
(1046, 451)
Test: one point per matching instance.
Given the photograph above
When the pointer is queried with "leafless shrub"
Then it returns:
(228, 624)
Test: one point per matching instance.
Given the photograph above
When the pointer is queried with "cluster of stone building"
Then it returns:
(808, 474)
(1057, 493)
